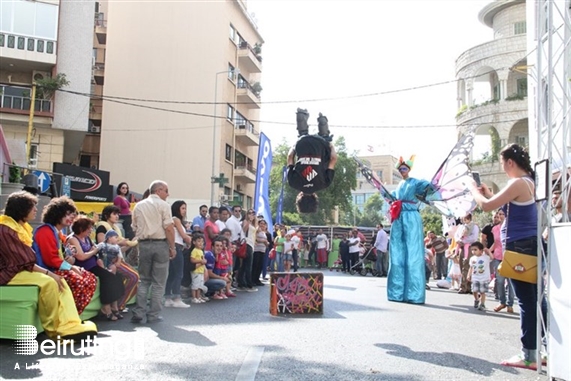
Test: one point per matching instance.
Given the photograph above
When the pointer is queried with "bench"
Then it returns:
(19, 305)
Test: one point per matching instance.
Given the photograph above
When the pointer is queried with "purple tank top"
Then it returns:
(86, 246)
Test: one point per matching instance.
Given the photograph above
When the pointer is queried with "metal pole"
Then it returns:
(212, 186)
(30, 124)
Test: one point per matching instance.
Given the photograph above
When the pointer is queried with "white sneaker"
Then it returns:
(179, 304)
(196, 301)
(169, 303)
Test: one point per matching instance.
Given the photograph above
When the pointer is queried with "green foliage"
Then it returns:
(515, 97)
(15, 174)
(461, 110)
(496, 144)
(371, 214)
(337, 195)
(49, 85)
(431, 220)
(291, 219)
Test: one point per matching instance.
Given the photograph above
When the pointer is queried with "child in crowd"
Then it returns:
(427, 264)
(197, 257)
(288, 252)
(223, 263)
(109, 251)
(455, 274)
(479, 274)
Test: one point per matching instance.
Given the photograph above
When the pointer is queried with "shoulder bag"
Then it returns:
(518, 266)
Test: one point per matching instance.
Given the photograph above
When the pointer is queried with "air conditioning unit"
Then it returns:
(95, 129)
(224, 198)
(37, 75)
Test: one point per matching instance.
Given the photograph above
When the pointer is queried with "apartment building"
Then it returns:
(188, 74)
(492, 85)
(384, 167)
(40, 39)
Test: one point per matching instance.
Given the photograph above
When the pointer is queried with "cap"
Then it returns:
(111, 233)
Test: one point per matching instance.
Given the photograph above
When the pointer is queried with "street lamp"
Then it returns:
(235, 72)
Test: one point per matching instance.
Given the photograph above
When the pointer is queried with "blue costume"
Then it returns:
(406, 279)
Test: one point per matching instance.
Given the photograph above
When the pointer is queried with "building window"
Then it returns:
(520, 27)
(497, 91)
(359, 199)
(230, 113)
(522, 87)
(240, 120)
(239, 159)
(248, 202)
(231, 73)
(232, 33)
(30, 19)
(380, 175)
(228, 152)
(521, 141)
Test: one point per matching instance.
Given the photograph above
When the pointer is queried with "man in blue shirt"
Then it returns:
(198, 221)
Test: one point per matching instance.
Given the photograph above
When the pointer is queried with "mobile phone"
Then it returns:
(476, 177)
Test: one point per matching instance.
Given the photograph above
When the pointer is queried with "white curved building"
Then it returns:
(492, 85)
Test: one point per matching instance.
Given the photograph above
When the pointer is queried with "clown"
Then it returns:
(406, 280)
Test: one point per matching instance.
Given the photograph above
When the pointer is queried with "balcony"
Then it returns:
(17, 47)
(99, 73)
(488, 112)
(249, 61)
(245, 174)
(247, 135)
(16, 100)
(101, 28)
(247, 95)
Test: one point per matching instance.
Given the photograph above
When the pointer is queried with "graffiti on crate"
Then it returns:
(300, 293)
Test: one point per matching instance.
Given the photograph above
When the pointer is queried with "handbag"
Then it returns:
(241, 251)
(272, 254)
(519, 266)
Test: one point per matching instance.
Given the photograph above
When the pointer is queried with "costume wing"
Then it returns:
(450, 193)
(372, 178)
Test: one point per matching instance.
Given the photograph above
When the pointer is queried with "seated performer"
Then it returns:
(314, 168)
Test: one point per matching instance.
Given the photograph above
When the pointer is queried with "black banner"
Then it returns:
(86, 184)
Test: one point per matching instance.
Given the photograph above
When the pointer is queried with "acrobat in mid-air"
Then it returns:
(311, 162)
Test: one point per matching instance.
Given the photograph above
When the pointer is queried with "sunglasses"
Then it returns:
(403, 169)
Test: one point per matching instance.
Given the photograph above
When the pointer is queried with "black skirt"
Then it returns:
(110, 285)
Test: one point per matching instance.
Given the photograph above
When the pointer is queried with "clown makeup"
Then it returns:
(403, 169)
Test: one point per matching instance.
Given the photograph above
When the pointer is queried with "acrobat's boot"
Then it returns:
(323, 126)
(301, 117)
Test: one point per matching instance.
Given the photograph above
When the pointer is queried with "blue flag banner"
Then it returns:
(281, 199)
(262, 195)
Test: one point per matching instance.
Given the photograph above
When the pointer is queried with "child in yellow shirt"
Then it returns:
(197, 257)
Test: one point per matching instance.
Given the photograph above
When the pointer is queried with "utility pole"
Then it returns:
(30, 124)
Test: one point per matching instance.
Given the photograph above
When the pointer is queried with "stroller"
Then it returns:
(366, 263)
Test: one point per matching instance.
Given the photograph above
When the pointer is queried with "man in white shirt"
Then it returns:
(223, 217)
(234, 224)
(381, 244)
(295, 250)
(322, 249)
(354, 247)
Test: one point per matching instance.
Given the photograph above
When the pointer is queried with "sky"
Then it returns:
(330, 56)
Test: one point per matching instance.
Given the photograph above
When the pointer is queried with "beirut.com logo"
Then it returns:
(27, 345)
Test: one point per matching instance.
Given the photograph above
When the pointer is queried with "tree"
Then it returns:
(371, 214)
(431, 220)
(48, 86)
(337, 195)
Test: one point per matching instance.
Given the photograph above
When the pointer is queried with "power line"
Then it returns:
(346, 97)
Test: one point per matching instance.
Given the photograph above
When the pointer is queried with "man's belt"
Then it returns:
(152, 240)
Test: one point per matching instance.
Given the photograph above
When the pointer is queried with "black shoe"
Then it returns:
(323, 125)
(136, 320)
(301, 119)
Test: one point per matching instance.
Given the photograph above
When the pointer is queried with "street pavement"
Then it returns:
(360, 336)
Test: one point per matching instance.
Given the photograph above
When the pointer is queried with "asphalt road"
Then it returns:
(360, 336)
